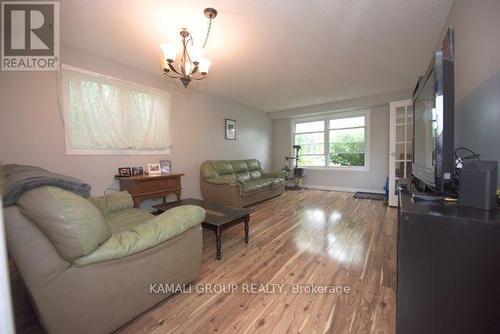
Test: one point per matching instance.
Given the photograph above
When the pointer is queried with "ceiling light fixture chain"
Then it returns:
(191, 65)
(208, 31)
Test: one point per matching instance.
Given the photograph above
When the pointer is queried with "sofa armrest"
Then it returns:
(277, 174)
(226, 193)
(113, 202)
(146, 235)
(222, 182)
(33, 253)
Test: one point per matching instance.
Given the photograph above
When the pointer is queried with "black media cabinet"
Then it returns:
(448, 268)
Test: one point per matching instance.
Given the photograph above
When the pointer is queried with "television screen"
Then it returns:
(425, 129)
(433, 166)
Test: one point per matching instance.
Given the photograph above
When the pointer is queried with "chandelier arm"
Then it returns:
(172, 68)
(200, 78)
(171, 76)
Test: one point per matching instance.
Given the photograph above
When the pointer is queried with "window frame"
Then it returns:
(326, 142)
(65, 113)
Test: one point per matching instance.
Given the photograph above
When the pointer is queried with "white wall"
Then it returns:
(31, 129)
(343, 105)
(477, 75)
(372, 180)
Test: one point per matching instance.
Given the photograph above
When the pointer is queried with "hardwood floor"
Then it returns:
(306, 237)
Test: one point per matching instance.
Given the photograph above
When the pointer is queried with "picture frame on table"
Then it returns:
(166, 166)
(230, 129)
(154, 169)
(137, 171)
(125, 171)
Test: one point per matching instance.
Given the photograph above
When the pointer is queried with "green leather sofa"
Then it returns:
(239, 183)
(88, 263)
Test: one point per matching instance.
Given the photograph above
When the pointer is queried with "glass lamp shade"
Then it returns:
(164, 64)
(188, 67)
(196, 54)
(204, 65)
(169, 51)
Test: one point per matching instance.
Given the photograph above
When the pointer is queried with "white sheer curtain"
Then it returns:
(104, 115)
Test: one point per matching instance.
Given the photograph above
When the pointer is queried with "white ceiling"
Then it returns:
(271, 54)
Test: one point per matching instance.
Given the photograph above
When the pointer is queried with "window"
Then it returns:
(104, 115)
(335, 141)
(311, 138)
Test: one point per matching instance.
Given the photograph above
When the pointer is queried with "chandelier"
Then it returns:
(188, 64)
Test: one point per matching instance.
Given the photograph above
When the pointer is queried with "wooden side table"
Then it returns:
(145, 186)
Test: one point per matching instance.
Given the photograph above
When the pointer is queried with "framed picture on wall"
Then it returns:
(448, 45)
(230, 129)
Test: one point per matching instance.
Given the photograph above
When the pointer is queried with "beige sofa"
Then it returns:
(88, 264)
(239, 183)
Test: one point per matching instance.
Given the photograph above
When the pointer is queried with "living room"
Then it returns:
(244, 161)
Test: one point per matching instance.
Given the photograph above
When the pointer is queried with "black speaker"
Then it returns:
(478, 184)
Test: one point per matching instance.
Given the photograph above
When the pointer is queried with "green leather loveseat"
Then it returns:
(238, 183)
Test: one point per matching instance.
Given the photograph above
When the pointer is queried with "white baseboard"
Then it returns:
(343, 189)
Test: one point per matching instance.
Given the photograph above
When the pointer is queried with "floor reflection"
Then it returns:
(328, 233)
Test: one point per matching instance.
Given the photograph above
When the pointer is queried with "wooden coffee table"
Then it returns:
(217, 219)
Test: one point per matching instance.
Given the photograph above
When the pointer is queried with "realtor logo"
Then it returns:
(30, 36)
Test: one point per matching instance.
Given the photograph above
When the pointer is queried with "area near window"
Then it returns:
(104, 115)
(333, 141)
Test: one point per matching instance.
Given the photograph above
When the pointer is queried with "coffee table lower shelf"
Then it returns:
(218, 218)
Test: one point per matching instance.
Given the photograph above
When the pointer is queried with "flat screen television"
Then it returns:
(433, 165)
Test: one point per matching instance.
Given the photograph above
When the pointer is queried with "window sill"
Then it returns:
(342, 169)
(113, 152)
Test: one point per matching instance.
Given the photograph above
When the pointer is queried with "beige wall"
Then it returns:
(371, 180)
(31, 129)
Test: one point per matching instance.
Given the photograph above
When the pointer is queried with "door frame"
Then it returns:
(393, 200)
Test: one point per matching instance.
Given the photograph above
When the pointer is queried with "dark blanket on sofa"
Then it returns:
(19, 179)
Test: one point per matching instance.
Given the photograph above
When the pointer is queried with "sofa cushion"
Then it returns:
(73, 224)
(256, 185)
(253, 164)
(239, 166)
(126, 219)
(113, 202)
(222, 181)
(163, 227)
(227, 178)
(222, 167)
(255, 174)
(243, 177)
